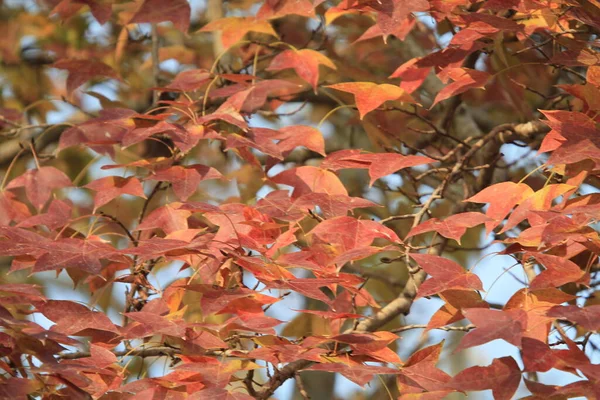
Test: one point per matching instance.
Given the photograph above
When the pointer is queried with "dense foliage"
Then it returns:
(225, 199)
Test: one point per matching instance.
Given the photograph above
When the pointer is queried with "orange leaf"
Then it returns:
(369, 95)
(233, 29)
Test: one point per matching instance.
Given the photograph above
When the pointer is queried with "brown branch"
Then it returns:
(160, 351)
(155, 65)
(465, 328)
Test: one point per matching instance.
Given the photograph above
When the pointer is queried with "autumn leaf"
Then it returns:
(59, 214)
(493, 324)
(169, 218)
(331, 205)
(587, 317)
(307, 179)
(464, 79)
(39, 184)
(291, 137)
(72, 318)
(536, 304)
(272, 9)
(420, 374)
(455, 302)
(400, 31)
(233, 29)
(81, 71)
(357, 373)
(391, 14)
(154, 11)
(111, 187)
(185, 179)
(538, 201)
(369, 95)
(67, 8)
(502, 197)
(218, 394)
(453, 227)
(537, 355)
(502, 376)
(350, 233)
(305, 62)
(378, 164)
(11, 209)
(558, 272)
(190, 80)
(81, 254)
(445, 275)
(411, 75)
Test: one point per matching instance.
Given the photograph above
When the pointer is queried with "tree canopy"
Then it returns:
(251, 199)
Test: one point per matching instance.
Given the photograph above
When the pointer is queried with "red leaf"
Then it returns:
(83, 254)
(391, 14)
(154, 11)
(464, 79)
(112, 187)
(400, 31)
(587, 317)
(456, 300)
(102, 132)
(185, 179)
(369, 95)
(306, 287)
(72, 318)
(218, 394)
(419, 373)
(378, 164)
(169, 218)
(27, 291)
(67, 8)
(81, 71)
(11, 209)
(332, 205)
(291, 137)
(357, 373)
(350, 233)
(559, 271)
(190, 80)
(494, 324)
(445, 275)
(537, 356)
(412, 76)
(39, 184)
(502, 376)
(536, 304)
(305, 62)
(452, 227)
(59, 214)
